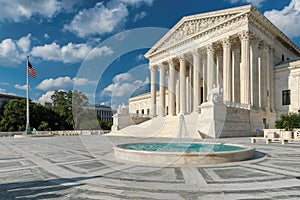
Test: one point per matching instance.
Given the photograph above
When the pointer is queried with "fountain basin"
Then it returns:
(183, 153)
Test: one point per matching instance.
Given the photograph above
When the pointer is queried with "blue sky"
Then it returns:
(67, 40)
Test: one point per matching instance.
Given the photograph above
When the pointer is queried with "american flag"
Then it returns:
(31, 70)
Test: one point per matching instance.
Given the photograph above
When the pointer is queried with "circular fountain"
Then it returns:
(183, 153)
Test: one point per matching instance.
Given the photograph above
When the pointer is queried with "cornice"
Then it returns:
(250, 15)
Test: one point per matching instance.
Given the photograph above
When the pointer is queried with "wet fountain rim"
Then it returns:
(245, 148)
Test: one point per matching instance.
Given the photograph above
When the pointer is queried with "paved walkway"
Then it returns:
(85, 168)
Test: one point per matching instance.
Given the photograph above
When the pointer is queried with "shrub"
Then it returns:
(288, 122)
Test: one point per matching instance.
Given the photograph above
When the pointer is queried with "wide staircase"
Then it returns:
(169, 126)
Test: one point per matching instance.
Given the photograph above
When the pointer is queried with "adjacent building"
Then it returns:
(104, 113)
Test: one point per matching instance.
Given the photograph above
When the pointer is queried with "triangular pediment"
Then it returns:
(194, 24)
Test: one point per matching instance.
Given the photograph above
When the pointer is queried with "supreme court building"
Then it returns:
(232, 63)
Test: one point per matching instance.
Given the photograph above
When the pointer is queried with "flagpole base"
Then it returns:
(27, 130)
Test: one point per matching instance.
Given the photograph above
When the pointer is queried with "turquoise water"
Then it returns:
(181, 147)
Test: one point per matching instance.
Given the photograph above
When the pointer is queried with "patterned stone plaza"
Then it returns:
(84, 167)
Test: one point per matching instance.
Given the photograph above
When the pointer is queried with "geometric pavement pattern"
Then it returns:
(84, 167)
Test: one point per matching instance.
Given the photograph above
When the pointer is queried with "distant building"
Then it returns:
(6, 98)
(104, 113)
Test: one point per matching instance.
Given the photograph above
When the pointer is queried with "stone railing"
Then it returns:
(60, 133)
(237, 105)
(281, 133)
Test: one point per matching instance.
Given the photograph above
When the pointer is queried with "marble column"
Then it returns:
(254, 73)
(182, 83)
(227, 70)
(153, 90)
(236, 59)
(219, 68)
(272, 79)
(162, 91)
(177, 96)
(260, 77)
(196, 64)
(245, 67)
(267, 75)
(210, 67)
(171, 87)
(204, 76)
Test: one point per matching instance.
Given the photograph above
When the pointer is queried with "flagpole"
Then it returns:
(27, 130)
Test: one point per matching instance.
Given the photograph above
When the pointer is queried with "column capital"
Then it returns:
(170, 62)
(254, 41)
(226, 42)
(182, 59)
(152, 68)
(209, 48)
(196, 52)
(245, 35)
(162, 66)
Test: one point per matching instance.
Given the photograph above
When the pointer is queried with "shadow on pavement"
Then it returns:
(44, 189)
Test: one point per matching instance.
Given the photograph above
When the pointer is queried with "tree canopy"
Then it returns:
(67, 113)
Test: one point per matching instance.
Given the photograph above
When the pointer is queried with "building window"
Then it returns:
(286, 97)
(137, 111)
(148, 111)
(282, 57)
(143, 112)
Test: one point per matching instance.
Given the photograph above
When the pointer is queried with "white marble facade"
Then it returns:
(234, 50)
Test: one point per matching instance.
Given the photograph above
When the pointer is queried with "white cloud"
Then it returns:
(256, 3)
(98, 20)
(123, 86)
(70, 53)
(287, 19)
(17, 11)
(24, 43)
(13, 52)
(20, 87)
(139, 16)
(46, 98)
(62, 83)
(122, 78)
(3, 91)
(139, 57)
(46, 36)
(138, 2)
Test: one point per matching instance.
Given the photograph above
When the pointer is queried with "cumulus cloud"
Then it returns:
(103, 19)
(287, 19)
(70, 53)
(14, 52)
(62, 83)
(46, 98)
(98, 20)
(3, 91)
(139, 57)
(122, 78)
(256, 3)
(139, 16)
(123, 86)
(17, 11)
(138, 2)
(20, 87)
(24, 43)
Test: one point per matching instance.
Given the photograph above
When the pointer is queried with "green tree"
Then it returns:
(288, 121)
(14, 116)
(69, 106)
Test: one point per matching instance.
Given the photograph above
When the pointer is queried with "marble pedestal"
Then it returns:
(212, 119)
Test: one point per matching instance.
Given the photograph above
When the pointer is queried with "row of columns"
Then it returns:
(244, 72)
